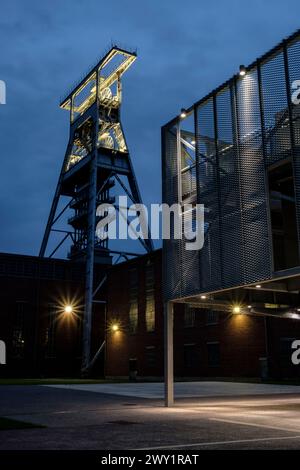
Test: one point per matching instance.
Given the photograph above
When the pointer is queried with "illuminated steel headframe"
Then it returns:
(97, 157)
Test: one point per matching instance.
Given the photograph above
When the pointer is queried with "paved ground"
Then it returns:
(77, 419)
(184, 389)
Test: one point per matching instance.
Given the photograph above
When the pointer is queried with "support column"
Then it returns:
(90, 252)
(168, 353)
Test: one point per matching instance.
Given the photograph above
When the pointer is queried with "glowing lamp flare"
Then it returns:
(68, 309)
(242, 71)
(236, 309)
(183, 113)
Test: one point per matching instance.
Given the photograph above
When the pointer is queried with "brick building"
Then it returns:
(43, 341)
(207, 343)
(40, 339)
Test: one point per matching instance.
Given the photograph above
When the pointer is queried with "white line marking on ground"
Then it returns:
(257, 425)
(217, 443)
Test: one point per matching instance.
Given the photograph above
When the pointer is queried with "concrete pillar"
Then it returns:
(168, 353)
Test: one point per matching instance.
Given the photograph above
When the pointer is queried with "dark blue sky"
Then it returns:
(184, 50)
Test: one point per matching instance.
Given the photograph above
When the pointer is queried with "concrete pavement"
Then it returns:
(77, 419)
(183, 389)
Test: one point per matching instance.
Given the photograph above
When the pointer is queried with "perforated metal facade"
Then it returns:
(239, 131)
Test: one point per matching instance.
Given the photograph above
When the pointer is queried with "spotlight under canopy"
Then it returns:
(242, 71)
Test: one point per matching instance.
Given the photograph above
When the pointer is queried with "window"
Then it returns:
(46, 270)
(212, 317)
(190, 356)
(18, 341)
(133, 300)
(213, 354)
(30, 268)
(60, 271)
(133, 317)
(150, 356)
(150, 276)
(150, 312)
(51, 331)
(150, 299)
(189, 317)
(133, 368)
(133, 364)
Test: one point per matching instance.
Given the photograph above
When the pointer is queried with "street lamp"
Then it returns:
(236, 309)
(68, 309)
(242, 71)
(182, 113)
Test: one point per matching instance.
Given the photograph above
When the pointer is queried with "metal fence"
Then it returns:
(239, 130)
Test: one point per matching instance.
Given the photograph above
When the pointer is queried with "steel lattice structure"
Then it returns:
(97, 157)
(237, 151)
(240, 132)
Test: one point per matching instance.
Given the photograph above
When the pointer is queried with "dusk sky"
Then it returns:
(185, 49)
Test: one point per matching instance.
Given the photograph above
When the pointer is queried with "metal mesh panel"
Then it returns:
(210, 266)
(172, 251)
(256, 243)
(293, 56)
(276, 119)
(243, 129)
(190, 258)
(231, 247)
(190, 264)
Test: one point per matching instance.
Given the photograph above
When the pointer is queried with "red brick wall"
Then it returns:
(241, 338)
(122, 345)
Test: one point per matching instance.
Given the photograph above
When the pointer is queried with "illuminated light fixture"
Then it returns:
(295, 316)
(242, 71)
(298, 309)
(68, 309)
(249, 306)
(115, 327)
(258, 286)
(182, 113)
(203, 297)
(193, 142)
(236, 309)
